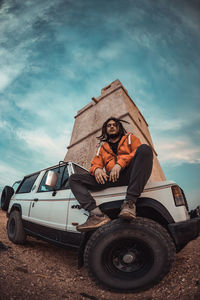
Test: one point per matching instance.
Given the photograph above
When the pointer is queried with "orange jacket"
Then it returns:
(107, 158)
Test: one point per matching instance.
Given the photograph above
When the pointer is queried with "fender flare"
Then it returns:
(143, 202)
(16, 206)
(156, 206)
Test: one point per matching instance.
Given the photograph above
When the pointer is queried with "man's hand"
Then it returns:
(100, 176)
(114, 174)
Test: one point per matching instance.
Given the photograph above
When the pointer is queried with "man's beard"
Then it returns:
(113, 136)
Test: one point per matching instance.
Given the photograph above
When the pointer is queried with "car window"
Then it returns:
(27, 183)
(65, 179)
(62, 182)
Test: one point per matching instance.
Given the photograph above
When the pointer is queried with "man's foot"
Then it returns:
(93, 222)
(128, 210)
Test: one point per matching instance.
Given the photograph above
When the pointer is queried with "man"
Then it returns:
(120, 160)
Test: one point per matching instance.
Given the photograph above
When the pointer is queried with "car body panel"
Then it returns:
(60, 210)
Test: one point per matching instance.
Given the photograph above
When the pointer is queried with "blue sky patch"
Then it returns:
(56, 55)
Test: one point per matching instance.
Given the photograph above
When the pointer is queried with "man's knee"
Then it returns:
(145, 150)
(84, 178)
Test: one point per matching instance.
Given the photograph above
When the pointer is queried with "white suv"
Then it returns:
(121, 255)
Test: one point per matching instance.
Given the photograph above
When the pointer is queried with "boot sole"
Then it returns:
(89, 228)
(127, 216)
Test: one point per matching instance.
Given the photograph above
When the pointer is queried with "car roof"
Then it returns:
(62, 163)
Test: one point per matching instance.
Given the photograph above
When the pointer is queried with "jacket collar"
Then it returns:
(107, 148)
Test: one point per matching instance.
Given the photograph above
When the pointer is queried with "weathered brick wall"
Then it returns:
(113, 101)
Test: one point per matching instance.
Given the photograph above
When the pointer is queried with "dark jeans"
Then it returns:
(135, 176)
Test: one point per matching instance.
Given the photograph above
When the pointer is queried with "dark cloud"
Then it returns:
(55, 55)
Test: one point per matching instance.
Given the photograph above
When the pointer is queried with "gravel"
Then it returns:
(38, 270)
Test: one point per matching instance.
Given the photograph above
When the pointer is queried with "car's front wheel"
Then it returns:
(129, 256)
(15, 229)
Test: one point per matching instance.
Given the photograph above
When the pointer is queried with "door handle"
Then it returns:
(76, 206)
(36, 199)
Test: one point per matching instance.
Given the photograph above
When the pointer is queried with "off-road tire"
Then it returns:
(6, 195)
(15, 229)
(126, 256)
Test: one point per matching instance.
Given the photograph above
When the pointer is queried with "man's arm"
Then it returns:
(97, 163)
(97, 169)
(124, 162)
(135, 143)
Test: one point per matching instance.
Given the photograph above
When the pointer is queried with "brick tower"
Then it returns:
(114, 101)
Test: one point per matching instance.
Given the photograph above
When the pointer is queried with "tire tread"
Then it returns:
(20, 235)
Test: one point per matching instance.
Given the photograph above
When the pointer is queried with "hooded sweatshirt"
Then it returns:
(106, 158)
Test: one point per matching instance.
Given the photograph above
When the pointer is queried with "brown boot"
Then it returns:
(128, 210)
(93, 222)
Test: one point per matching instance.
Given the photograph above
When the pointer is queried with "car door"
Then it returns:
(25, 193)
(50, 207)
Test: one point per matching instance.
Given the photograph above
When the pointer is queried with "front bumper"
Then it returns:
(183, 232)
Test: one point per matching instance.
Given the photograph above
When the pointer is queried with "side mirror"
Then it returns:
(52, 178)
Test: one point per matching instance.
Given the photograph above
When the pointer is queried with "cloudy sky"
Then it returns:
(55, 55)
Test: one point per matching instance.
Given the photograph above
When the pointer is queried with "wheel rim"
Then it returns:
(128, 258)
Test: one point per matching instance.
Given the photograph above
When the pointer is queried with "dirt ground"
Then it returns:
(39, 270)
